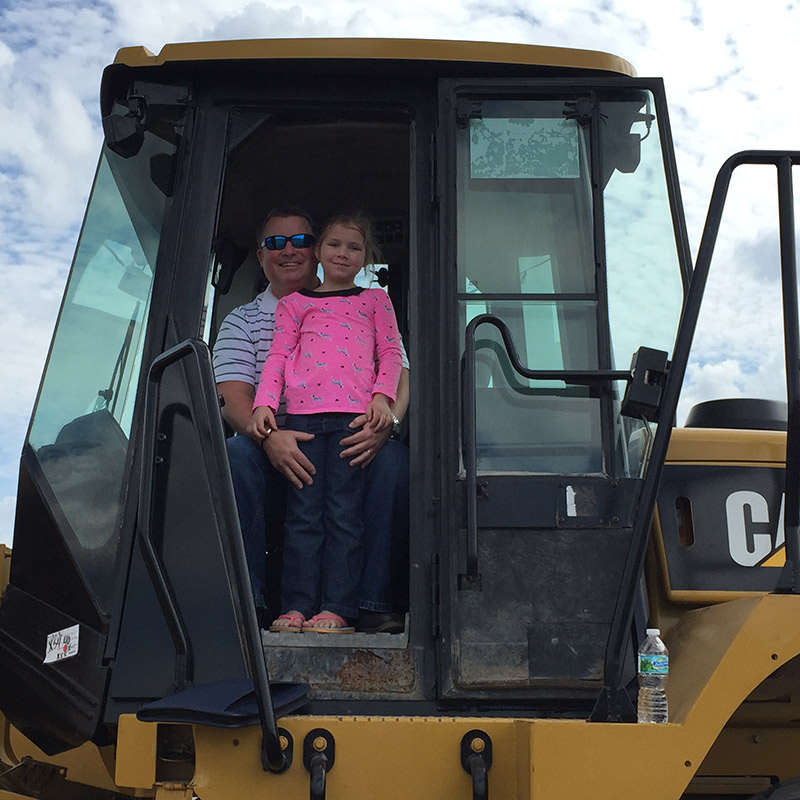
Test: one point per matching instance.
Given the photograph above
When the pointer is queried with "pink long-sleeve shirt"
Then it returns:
(331, 352)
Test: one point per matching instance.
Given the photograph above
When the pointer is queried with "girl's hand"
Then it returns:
(378, 413)
(261, 424)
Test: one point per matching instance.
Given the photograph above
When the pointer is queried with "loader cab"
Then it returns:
(533, 241)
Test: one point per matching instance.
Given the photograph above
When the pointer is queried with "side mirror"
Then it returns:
(648, 375)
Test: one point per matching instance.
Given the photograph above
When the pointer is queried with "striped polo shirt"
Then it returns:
(244, 340)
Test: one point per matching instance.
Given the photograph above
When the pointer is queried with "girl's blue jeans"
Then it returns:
(323, 545)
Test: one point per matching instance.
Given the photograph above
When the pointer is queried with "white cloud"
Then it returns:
(6, 56)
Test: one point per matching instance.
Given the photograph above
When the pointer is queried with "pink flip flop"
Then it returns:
(312, 626)
(291, 627)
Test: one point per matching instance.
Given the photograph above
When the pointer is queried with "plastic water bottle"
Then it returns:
(653, 672)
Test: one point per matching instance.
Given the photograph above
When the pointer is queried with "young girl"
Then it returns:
(335, 354)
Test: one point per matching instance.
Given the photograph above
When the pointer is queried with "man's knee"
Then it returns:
(255, 480)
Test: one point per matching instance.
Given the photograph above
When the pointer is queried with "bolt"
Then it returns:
(477, 745)
(320, 743)
(284, 741)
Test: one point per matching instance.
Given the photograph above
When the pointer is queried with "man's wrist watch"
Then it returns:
(395, 425)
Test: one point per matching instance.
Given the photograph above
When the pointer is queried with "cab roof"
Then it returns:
(378, 49)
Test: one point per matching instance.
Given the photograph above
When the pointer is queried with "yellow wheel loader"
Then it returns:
(527, 206)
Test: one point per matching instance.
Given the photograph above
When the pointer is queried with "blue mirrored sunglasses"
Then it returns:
(299, 240)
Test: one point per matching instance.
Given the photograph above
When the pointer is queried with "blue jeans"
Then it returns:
(323, 545)
(261, 499)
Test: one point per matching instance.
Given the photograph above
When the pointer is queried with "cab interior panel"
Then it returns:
(329, 166)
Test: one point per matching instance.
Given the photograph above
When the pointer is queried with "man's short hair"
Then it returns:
(281, 212)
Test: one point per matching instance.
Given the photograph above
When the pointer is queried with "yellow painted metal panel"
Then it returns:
(5, 567)
(136, 752)
(718, 656)
(717, 447)
(720, 653)
(387, 757)
(420, 757)
(87, 764)
(711, 446)
(776, 751)
(382, 49)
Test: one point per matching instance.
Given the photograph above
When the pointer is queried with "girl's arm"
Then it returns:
(379, 412)
(261, 424)
(287, 333)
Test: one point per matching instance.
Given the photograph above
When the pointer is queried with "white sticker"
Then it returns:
(572, 506)
(61, 644)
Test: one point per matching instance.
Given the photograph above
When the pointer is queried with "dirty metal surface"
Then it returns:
(356, 666)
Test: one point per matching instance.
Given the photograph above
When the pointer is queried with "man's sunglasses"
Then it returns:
(299, 240)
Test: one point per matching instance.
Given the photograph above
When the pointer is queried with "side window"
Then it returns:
(574, 298)
(640, 241)
(84, 410)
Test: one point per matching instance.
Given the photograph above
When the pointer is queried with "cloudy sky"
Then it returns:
(728, 67)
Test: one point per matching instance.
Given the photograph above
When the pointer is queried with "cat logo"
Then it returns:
(751, 548)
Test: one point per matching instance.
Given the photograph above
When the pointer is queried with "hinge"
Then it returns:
(435, 595)
(581, 110)
(432, 196)
(124, 132)
(161, 94)
(466, 110)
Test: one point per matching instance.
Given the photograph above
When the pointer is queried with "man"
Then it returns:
(260, 468)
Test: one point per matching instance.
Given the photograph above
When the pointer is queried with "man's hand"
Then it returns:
(363, 445)
(284, 454)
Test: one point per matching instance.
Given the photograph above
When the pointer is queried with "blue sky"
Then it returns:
(727, 69)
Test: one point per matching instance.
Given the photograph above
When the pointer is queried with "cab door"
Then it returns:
(557, 227)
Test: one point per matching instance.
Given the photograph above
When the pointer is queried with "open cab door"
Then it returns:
(560, 222)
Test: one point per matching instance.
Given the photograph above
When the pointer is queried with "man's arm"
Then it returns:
(280, 446)
(237, 408)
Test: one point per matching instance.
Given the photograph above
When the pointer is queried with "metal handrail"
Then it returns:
(575, 377)
(614, 704)
(272, 756)
(154, 564)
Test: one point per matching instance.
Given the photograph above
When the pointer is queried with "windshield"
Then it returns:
(83, 415)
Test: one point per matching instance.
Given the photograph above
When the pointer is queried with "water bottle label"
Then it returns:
(654, 663)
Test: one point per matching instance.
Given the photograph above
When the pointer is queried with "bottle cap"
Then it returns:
(653, 632)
